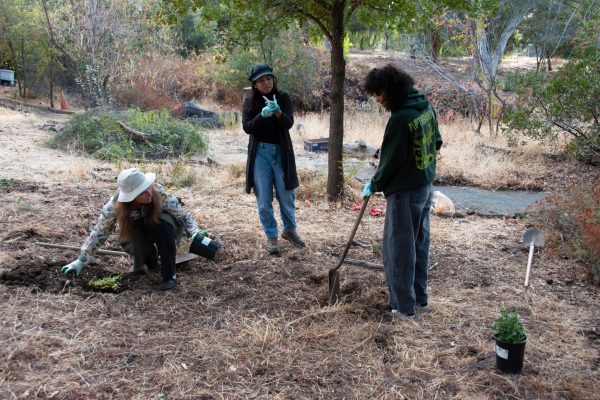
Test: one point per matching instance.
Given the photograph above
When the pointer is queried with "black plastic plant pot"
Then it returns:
(204, 246)
(509, 356)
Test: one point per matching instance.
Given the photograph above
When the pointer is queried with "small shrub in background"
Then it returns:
(571, 219)
(181, 175)
(148, 135)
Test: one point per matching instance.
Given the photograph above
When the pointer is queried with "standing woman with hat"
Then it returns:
(150, 222)
(267, 116)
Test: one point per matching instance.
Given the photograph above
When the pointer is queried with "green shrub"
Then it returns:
(297, 67)
(151, 135)
(564, 103)
(509, 327)
(508, 81)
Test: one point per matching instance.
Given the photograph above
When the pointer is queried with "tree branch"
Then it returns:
(135, 134)
(51, 35)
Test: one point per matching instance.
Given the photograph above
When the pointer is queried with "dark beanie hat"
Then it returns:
(259, 70)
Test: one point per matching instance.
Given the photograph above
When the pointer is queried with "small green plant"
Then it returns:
(181, 176)
(509, 327)
(107, 283)
(377, 248)
(24, 206)
(8, 182)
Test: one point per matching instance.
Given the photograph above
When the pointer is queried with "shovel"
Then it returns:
(334, 275)
(180, 258)
(534, 237)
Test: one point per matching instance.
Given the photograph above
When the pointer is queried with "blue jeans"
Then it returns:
(268, 173)
(406, 247)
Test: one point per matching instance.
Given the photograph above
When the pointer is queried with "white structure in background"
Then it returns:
(7, 77)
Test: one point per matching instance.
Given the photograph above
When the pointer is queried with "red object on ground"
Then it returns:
(63, 102)
(376, 212)
(357, 207)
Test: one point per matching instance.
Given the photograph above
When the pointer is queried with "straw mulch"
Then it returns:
(249, 325)
(255, 326)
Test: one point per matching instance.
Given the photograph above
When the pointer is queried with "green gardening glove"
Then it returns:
(76, 267)
(266, 112)
(272, 104)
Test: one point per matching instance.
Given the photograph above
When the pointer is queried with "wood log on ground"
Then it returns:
(135, 134)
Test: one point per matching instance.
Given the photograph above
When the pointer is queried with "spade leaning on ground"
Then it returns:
(151, 222)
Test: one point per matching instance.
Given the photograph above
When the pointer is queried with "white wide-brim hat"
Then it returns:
(132, 182)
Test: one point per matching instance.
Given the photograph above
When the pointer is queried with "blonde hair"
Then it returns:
(123, 212)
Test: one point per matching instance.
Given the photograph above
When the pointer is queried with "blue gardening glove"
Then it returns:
(367, 191)
(266, 112)
(272, 104)
(76, 266)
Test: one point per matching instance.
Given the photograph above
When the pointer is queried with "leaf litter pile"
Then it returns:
(250, 325)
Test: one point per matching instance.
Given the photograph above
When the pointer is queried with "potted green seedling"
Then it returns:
(511, 337)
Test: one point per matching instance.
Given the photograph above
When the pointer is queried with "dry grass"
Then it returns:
(467, 158)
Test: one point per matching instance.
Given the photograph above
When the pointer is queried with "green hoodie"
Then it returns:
(408, 151)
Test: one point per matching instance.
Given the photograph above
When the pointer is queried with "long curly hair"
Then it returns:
(391, 82)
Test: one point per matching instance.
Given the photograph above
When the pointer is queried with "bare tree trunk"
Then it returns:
(335, 177)
(51, 74)
(490, 112)
(51, 35)
(23, 71)
(436, 44)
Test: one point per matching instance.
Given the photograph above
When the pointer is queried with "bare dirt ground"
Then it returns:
(254, 326)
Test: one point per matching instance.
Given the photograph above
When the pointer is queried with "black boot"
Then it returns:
(168, 284)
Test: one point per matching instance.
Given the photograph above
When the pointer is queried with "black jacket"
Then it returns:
(254, 124)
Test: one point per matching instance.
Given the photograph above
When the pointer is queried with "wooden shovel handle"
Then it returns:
(529, 259)
(363, 207)
(64, 246)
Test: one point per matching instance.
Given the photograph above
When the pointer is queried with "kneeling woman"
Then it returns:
(150, 223)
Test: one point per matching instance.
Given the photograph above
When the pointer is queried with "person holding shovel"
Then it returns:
(267, 116)
(405, 175)
(150, 223)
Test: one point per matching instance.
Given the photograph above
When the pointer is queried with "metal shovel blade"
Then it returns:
(535, 237)
(181, 258)
(334, 274)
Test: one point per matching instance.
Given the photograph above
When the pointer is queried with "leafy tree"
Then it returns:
(552, 25)
(564, 103)
(253, 21)
(192, 37)
(25, 43)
